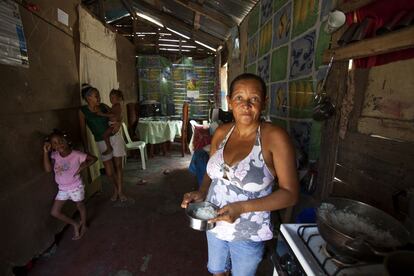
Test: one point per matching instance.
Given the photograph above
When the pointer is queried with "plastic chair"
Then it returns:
(133, 145)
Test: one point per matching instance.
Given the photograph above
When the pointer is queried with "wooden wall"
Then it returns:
(34, 101)
(360, 166)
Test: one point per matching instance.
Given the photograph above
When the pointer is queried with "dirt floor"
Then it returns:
(147, 235)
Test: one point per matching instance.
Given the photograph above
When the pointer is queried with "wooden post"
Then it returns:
(101, 10)
(217, 92)
(336, 88)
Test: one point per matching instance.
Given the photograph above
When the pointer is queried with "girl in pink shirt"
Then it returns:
(67, 164)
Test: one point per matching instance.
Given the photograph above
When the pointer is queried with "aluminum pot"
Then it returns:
(361, 246)
(196, 223)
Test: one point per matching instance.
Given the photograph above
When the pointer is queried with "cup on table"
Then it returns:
(335, 20)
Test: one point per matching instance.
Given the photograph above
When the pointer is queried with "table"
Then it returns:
(158, 130)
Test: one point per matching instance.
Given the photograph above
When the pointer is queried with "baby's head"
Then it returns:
(116, 96)
(59, 141)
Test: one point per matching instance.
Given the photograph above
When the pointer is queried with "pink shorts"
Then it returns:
(77, 194)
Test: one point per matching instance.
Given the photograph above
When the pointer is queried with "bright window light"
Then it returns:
(204, 45)
(168, 45)
(150, 19)
(350, 64)
(174, 50)
(146, 33)
(180, 34)
(167, 49)
(176, 45)
(169, 40)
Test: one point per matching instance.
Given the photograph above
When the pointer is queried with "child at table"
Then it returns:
(115, 116)
(67, 164)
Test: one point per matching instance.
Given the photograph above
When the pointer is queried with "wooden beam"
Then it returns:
(211, 14)
(127, 4)
(101, 10)
(352, 5)
(336, 89)
(196, 21)
(174, 23)
(134, 30)
(390, 42)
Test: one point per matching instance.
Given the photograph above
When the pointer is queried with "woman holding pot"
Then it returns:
(88, 116)
(246, 157)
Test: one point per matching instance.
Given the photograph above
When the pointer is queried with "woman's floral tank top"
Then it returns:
(248, 179)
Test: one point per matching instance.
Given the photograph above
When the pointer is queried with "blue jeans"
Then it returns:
(241, 257)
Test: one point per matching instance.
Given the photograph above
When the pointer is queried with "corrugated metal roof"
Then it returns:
(208, 21)
(237, 9)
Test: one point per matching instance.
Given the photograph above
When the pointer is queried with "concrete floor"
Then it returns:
(147, 235)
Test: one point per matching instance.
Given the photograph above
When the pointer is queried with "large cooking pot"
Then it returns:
(358, 230)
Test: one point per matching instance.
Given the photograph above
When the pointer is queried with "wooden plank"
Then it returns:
(392, 129)
(352, 5)
(361, 82)
(378, 171)
(336, 88)
(101, 10)
(211, 14)
(372, 169)
(392, 152)
(390, 42)
(196, 21)
(362, 188)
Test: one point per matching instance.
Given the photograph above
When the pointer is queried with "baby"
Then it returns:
(114, 115)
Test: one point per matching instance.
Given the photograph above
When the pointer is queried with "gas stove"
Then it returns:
(301, 250)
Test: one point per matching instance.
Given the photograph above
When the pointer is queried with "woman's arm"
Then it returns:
(283, 157)
(107, 115)
(201, 194)
(47, 165)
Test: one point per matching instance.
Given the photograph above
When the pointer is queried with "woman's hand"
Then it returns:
(229, 213)
(116, 126)
(47, 147)
(195, 196)
(90, 159)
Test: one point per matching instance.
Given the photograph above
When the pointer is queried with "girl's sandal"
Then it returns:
(123, 198)
(114, 197)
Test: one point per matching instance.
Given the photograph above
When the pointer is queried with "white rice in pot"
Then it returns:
(356, 226)
(205, 213)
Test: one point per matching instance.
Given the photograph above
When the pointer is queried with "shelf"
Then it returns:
(390, 42)
(352, 5)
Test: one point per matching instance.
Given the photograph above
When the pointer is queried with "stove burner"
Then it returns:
(337, 257)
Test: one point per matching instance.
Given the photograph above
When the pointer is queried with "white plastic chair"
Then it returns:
(133, 145)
